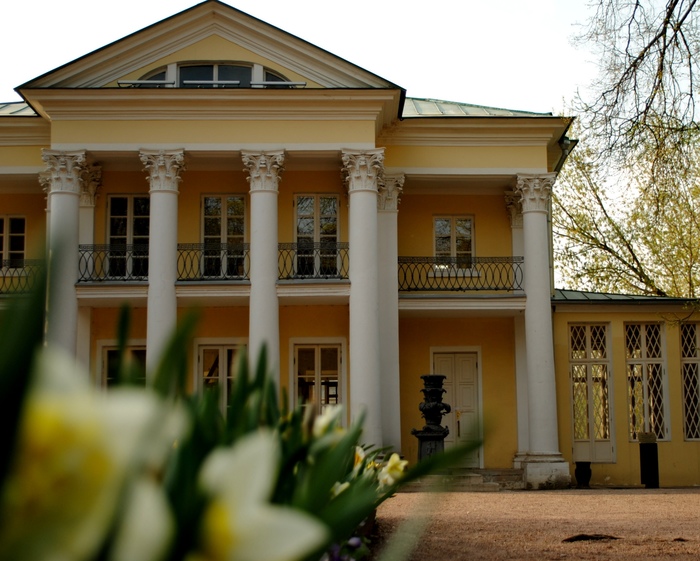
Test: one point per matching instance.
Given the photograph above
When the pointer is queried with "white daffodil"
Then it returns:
(75, 447)
(239, 524)
(330, 418)
(392, 471)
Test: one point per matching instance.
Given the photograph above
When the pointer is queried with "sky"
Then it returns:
(512, 54)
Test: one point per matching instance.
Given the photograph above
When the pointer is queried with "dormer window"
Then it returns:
(212, 75)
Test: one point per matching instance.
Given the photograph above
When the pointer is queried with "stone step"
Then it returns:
(467, 479)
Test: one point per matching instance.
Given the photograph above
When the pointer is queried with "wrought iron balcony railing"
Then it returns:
(19, 275)
(100, 263)
(313, 261)
(460, 274)
(211, 262)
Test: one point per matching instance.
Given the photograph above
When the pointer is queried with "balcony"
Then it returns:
(313, 261)
(213, 262)
(463, 274)
(18, 276)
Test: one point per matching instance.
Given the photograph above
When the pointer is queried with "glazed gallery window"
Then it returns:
(690, 368)
(646, 379)
(12, 241)
(129, 224)
(223, 234)
(212, 75)
(216, 369)
(589, 367)
(316, 235)
(454, 241)
(317, 375)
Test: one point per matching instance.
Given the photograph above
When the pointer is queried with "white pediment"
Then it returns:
(211, 30)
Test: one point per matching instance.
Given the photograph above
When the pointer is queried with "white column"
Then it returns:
(364, 171)
(265, 169)
(544, 465)
(515, 213)
(86, 236)
(66, 169)
(164, 168)
(387, 235)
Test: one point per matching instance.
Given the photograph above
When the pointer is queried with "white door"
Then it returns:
(462, 395)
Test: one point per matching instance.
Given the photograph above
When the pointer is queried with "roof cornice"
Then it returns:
(476, 131)
(24, 131)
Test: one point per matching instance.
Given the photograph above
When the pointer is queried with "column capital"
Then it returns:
(363, 170)
(163, 167)
(514, 208)
(92, 179)
(264, 169)
(390, 192)
(65, 170)
(535, 191)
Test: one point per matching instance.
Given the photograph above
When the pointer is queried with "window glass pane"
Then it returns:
(235, 227)
(196, 73)
(2, 240)
(142, 206)
(232, 72)
(305, 206)
(212, 206)
(463, 228)
(212, 227)
(16, 226)
(443, 227)
(210, 368)
(141, 227)
(329, 226)
(305, 226)
(443, 246)
(306, 375)
(16, 244)
(329, 206)
(235, 206)
(118, 206)
(117, 228)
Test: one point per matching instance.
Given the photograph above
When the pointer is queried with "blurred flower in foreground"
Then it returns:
(392, 471)
(75, 448)
(239, 524)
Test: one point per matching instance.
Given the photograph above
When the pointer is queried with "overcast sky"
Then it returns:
(514, 54)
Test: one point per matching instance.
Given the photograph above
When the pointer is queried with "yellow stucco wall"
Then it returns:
(455, 157)
(492, 233)
(212, 132)
(33, 208)
(679, 460)
(495, 339)
(21, 156)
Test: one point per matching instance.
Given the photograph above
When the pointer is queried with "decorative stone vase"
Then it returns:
(432, 436)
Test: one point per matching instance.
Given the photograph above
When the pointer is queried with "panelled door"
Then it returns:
(462, 395)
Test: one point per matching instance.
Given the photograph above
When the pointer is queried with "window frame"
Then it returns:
(592, 448)
(136, 257)
(260, 76)
(453, 268)
(106, 346)
(694, 361)
(318, 257)
(645, 363)
(224, 259)
(319, 342)
(222, 344)
(8, 262)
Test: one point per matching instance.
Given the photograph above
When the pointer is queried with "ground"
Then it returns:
(603, 524)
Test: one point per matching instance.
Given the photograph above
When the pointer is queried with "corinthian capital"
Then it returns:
(65, 170)
(163, 167)
(92, 178)
(390, 192)
(264, 169)
(514, 208)
(364, 171)
(535, 191)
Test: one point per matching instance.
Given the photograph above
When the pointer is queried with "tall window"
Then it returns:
(317, 235)
(589, 364)
(454, 237)
(129, 224)
(216, 364)
(317, 375)
(690, 360)
(223, 225)
(12, 241)
(645, 379)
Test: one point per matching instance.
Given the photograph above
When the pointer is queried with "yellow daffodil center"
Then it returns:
(218, 538)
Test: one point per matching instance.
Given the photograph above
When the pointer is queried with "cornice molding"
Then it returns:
(212, 104)
(24, 131)
(474, 131)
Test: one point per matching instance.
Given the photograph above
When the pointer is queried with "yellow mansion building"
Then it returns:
(365, 237)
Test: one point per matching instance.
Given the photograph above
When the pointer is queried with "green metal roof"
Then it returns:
(16, 108)
(562, 296)
(415, 107)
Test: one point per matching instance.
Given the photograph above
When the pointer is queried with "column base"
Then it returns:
(545, 471)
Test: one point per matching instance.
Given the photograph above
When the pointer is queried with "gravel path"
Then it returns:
(648, 524)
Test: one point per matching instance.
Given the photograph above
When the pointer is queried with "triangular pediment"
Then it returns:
(210, 31)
